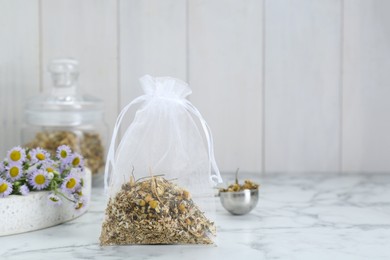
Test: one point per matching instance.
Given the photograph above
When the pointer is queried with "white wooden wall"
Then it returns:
(286, 85)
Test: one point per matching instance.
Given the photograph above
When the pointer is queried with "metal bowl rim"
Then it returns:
(236, 192)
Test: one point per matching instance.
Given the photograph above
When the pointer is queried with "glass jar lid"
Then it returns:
(63, 105)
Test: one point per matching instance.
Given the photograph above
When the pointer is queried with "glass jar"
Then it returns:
(64, 116)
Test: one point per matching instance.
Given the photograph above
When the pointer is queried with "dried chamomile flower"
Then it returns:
(248, 185)
(155, 211)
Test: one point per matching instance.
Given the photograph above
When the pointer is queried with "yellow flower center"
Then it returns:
(79, 205)
(40, 156)
(63, 154)
(71, 183)
(40, 179)
(15, 156)
(49, 169)
(14, 171)
(76, 161)
(3, 187)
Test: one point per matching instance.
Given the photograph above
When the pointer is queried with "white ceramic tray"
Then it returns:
(19, 214)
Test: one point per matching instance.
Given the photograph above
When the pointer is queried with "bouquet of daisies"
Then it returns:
(26, 170)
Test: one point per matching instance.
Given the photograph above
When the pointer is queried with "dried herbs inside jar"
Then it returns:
(155, 211)
(88, 144)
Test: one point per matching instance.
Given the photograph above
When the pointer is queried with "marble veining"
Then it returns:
(299, 216)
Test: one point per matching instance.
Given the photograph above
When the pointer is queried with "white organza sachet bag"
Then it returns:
(160, 179)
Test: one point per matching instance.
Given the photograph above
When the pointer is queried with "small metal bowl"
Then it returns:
(239, 202)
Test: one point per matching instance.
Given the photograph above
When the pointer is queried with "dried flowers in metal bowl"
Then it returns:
(240, 199)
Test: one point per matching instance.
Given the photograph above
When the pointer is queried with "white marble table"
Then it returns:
(311, 216)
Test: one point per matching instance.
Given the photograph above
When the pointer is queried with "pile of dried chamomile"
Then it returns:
(155, 211)
(248, 185)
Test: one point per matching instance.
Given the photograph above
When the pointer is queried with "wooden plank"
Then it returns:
(366, 91)
(225, 73)
(87, 31)
(152, 41)
(19, 65)
(302, 85)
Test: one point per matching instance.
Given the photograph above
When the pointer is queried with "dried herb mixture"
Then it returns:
(248, 185)
(88, 144)
(154, 211)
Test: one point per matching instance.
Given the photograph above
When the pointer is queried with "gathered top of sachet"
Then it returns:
(165, 87)
(168, 136)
